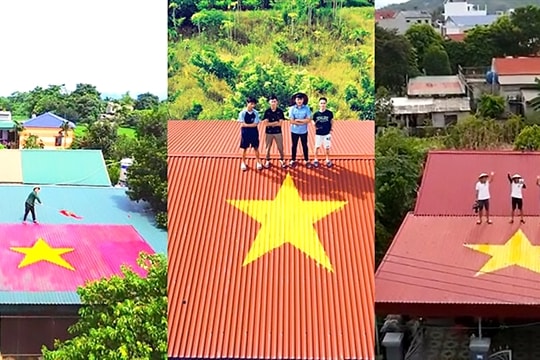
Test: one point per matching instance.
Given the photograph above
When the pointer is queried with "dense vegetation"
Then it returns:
(436, 5)
(134, 128)
(422, 47)
(219, 54)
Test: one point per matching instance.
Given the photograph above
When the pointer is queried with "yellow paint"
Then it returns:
(48, 136)
(288, 219)
(41, 251)
(517, 251)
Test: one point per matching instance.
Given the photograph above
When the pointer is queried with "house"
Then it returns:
(462, 8)
(8, 128)
(442, 266)
(461, 24)
(403, 20)
(328, 271)
(437, 101)
(515, 80)
(48, 128)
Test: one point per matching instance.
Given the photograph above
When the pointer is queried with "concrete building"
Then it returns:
(462, 24)
(462, 8)
(402, 20)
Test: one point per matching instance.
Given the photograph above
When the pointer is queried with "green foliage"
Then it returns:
(122, 318)
(33, 142)
(491, 106)
(194, 112)
(436, 61)
(423, 37)
(528, 139)
(146, 101)
(209, 21)
(102, 135)
(208, 61)
(475, 134)
(113, 168)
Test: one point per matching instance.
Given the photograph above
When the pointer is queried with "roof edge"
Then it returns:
(401, 227)
(238, 156)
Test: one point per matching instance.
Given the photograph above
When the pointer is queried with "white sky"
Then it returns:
(116, 45)
(382, 3)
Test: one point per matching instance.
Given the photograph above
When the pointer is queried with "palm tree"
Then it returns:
(66, 127)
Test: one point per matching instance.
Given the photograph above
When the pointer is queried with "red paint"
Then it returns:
(70, 214)
(99, 252)
(517, 66)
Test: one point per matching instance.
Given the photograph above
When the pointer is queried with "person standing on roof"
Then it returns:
(483, 196)
(273, 119)
(323, 127)
(517, 185)
(29, 204)
(249, 119)
(300, 117)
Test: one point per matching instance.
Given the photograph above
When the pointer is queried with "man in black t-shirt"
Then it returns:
(323, 126)
(272, 119)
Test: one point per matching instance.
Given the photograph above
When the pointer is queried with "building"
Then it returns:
(462, 8)
(462, 24)
(432, 101)
(304, 283)
(515, 80)
(459, 276)
(48, 127)
(98, 225)
(8, 129)
(403, 20)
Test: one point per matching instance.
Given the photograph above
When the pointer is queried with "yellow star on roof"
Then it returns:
(517, 251)
(288, 219)
(41, 251)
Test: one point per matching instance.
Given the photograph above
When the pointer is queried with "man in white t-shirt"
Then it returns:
(517, 185)
(482, 195)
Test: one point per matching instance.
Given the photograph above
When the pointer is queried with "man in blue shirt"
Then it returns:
(300, 116)
(249, 119)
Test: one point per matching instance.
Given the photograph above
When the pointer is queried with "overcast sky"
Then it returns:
(116, 45)
(382, 3)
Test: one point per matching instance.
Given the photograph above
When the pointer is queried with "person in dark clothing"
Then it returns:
(273, 118)
(29, 204)
(249, 121)
(323, 126)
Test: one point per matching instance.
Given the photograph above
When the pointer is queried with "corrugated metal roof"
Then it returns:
(432, 260)
(404, 105)
(456, 37)
(448, 184)
(518, 79)
(11, 166)
(222, 138)
(516, 66)
(7, 125)
(474, 20)
(46, 120)
(286, 303)
(64, 167)
(435, 85)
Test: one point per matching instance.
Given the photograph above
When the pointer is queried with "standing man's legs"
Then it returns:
(294, 138)
(305, 148)
(318, 143)
(26, 211)
(514, 207)
(486, 205)
(269, 140)
(33, 212)
(255, 145)
(520, 208)
(279, 142)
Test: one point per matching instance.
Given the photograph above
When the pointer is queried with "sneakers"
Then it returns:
(267, 164)
(283, 164)
(329, 163)
(243, 167)
(316, 163)
(308, 164)
(292, 163)
(259, 166)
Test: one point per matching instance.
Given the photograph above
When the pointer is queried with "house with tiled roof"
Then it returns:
(54, 131)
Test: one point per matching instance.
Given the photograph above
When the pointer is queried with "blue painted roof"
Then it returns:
(47, 120)
(97, 205)
(473, 20)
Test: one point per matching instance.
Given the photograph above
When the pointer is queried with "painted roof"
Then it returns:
(435, 85)
(384, 14)
(7, 124)
(456, 37)
(516, 66)
(231, 236)
(46, 120)
(410, 14)
(108, 217)
(64, 167)
(222, 138)
(11, 166)
(448, 264)
(448, 184)
(406, 105)
(473, 20)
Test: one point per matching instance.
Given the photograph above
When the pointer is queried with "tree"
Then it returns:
(528, 139)
(436, 61)
(422, 37)
(395, 60)
(122, 318)
(103, 135)
(475, 134)
(383, 106)
(457, 54)
(481, 47)
(146, 101)
(527, 20)
(491, 106)
(65, 128)
(33, 142)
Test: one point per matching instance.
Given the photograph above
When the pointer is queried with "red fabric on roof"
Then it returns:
(517, 66)
(283, 304)
(448, 185)
(428, 264)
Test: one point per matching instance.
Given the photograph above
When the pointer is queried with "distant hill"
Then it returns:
(434, 5)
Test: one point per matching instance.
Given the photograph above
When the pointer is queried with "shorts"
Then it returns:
(321, 140)
(483, 204)
(517, 203)
(250, 139)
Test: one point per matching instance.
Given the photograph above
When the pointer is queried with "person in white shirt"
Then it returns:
(517, 185)
(482, 195)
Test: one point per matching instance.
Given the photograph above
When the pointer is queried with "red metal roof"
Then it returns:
(282, 304)
(428, 263)
(456, 37)
(384, 14)
(517, 66)
(435, 85)
(222, 138)
(448, 184)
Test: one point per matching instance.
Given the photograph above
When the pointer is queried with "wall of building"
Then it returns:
(48, 136)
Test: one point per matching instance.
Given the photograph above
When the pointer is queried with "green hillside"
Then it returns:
(213, 68)
(434, 5)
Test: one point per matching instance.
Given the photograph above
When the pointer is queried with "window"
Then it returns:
(450, 119)
(58, 140)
